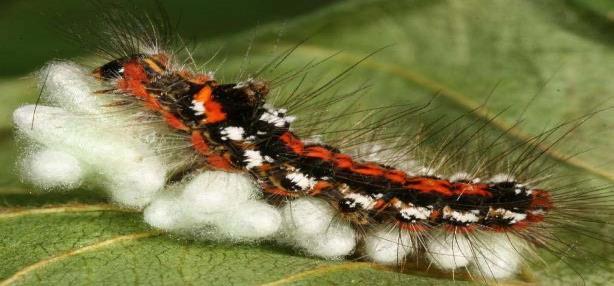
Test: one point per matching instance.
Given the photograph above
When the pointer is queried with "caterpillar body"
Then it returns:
(235, 130)
(329, 202)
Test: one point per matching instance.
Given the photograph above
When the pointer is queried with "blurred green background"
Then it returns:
(31, 33)
(544, 62)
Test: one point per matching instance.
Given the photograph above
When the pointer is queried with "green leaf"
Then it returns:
(85, 243)
(544, 62)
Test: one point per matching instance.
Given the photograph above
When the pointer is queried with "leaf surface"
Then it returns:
(541, 62)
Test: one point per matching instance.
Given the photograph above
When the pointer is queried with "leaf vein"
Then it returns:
(69, 208)
(322, 270)
(21, 274)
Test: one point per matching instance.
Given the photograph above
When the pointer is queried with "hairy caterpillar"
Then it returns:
(452, 220)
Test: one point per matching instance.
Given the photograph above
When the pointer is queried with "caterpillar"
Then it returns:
(330, 202)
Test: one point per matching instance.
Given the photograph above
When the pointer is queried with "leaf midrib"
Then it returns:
(23, 272)
(67, 208)
(322, 270)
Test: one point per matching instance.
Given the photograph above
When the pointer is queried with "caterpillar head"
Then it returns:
(136, 67)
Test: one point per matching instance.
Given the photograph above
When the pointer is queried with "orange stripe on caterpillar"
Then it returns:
(265, 167)
(200, 143)
(319, 187)
(173, 121)
(380, 204)
(219, 162)
(471, 189)
(541, 199)
(343, 161)
(134, 71)
(134, 82)
(295, 144)
(318, 152)
(213, 109)
(428, 185)
(396, 176)
(368, 169)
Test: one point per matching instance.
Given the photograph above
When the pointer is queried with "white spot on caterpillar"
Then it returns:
(514, 217)
(234, 133)
(275, 117)
(415, 213)
(366, 202)
(253, 158)
(303, 181)
(463, 217)
(198, 107)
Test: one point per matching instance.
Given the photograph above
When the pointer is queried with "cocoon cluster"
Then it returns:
(388, 245)
(226, 202)
(492, 255)
(310, 224)
(499, 255)
(74, 140)
(449, 251)
(52, 169)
